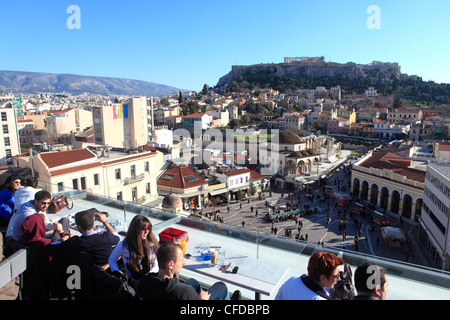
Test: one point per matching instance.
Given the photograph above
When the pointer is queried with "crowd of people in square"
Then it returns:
(137, 266)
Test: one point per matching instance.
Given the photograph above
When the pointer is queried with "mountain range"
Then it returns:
(32, 82)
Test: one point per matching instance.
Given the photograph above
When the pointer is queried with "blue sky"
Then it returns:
(188, 43)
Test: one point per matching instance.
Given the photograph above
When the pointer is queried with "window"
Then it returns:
(83, 183)
(146, 167)
(96, 179)
(8, 153)
(60, 186)
(5, 128)
(134, 194)
(75, 184)
(119, 195)
(133, 170)
(147, 188)
(190, 179)
(7, 143)
(4, 117)
(117, 173)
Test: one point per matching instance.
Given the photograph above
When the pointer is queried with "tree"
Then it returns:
(252, 189)
(205, 89)
(397, 103)
(180, 98)
(165, 102)
(233, 123)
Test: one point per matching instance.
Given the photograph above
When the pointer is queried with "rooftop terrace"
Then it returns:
(406, 281)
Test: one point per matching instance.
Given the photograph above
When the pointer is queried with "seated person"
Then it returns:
(39, 205)
(371, 282)
(33, 227)
(7, 198)
(165, 286)
(138, 249)
(26, 193)
(323, 274)
(98, 245)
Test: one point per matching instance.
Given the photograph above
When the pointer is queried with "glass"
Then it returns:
(214, 253)
(221, 257)
(181, 242)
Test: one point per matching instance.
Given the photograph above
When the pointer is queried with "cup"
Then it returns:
(221, 257)
(181, 242)
(214, 255)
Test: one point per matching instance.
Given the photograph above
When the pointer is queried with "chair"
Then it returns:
(95, 282)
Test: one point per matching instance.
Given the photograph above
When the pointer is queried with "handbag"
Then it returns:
(59, 203)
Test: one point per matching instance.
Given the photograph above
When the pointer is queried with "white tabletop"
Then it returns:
(253, 274)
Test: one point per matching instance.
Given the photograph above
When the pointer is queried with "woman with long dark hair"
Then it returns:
(138, 249)
(7, 200)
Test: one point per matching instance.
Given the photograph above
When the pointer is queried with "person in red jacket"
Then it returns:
(34, 228)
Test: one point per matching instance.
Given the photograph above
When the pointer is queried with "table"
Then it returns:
(253, 274)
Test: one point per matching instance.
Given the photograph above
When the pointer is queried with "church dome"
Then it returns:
(172, 201)
(288, 137)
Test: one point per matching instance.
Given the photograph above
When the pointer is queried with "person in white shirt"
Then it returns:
(26, 193)
(323, 274)
(138, 249)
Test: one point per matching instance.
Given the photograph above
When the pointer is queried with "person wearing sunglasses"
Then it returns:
(138, 250)
(323, 274)
(7, 198)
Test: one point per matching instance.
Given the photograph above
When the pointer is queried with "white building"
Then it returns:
(238, 179)
(370, 92)
(9, 140)
(435, 221)
(222, 115)
(114, 174)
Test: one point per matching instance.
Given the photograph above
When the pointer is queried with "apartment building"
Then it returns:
(295, 122)
(405, 114)
(124, 125)
(68, 121)
(390, 130)
(337, 126)
(435, 221)
(197, 121)
(161, 114)
(236, 180)
(132, 176)
(9, 140)
(370, 92)
(26, 130)
(116, 173)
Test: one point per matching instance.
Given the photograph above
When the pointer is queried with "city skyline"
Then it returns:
(188, 44)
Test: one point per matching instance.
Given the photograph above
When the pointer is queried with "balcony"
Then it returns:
(133, 179)
(406, 281)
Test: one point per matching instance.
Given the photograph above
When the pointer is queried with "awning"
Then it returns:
(393, 233)
(342, 195)
(219, 191)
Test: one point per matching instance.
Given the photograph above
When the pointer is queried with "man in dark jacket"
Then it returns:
(165, 286)
(98, 245)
